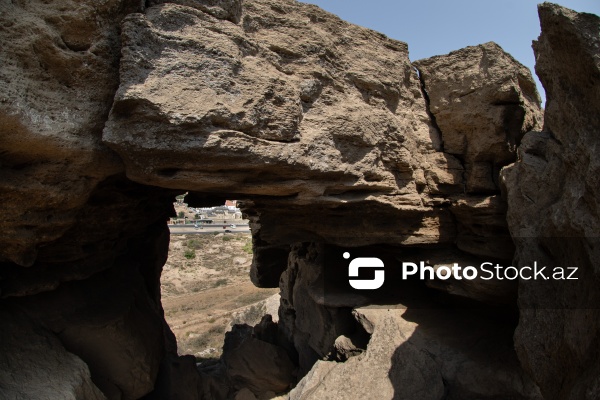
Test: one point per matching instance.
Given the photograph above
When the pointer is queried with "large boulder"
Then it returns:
(310, 120)
(276, 106)
(483, 101)
(553, 197)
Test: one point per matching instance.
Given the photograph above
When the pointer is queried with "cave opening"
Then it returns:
(241, 305)
(205, 285)
(318, 326)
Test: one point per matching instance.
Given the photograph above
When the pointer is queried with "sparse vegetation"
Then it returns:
(190, 254)
(202, 294)
(248, 247)
(193, 244)
(221, 282)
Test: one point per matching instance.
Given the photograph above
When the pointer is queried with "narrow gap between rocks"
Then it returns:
(215, 312)
(204, 283)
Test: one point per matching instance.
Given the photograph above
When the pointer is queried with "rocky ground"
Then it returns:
(205, 288)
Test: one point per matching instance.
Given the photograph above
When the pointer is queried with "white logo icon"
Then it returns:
(365, 262)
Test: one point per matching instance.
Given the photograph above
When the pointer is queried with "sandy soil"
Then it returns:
(205, 287)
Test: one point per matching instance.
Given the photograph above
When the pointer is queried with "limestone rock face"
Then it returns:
(59, 74)
(410, 348)
(275, 105)
(223, 9)
(553, 196)
(331, 139)
(301, 114)
(82, 230)
(311, 324)
(97, 287)
(483, 102)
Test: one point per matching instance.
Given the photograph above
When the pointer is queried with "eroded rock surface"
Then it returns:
(303, 114)
(483, 102)
(332, 139)
(97, 288)
(59, 75)
(414, 347)
(256, 362)
(359, 132)
(424, 354)
(553, 194)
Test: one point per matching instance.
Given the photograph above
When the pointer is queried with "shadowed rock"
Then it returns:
(553, 197)
(424, 354)
(331, 138)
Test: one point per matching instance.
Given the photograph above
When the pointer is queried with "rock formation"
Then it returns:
(554, 203)
(423, 354)
(59, 75)
(39, 367)
(334, 141)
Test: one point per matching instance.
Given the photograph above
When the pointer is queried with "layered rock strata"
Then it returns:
(305, 115)
(333, 139)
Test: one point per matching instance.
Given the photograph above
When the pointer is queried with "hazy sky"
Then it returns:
(432, 27)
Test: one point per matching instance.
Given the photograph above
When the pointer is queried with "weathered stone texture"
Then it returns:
(229, 97)
(302, 114)
(256, 364)
(58, 78)
(223, 9)
(483, 102)
(97, 287)
(423, 354)
(553, 197)
(330, 137)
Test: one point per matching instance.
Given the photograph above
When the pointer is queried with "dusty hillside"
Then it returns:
(205, 287)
